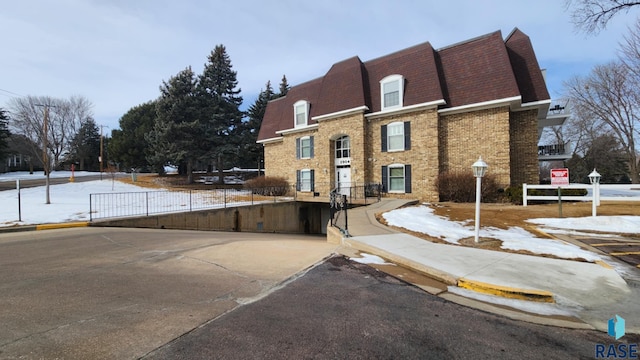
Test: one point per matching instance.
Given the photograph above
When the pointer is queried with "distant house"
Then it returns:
(20, 158)
(404, 118)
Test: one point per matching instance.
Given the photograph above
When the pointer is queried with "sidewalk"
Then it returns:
(594, 293)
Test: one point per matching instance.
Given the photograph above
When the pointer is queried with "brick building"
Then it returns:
(406, 117)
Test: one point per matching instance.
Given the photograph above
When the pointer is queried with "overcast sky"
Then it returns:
(116, 53)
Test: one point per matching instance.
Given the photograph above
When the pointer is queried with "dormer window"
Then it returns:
(392, 91)
(301, 113)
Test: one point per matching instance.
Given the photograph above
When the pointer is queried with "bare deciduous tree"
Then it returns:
(591, 16)
(63, 119)
(607, 101)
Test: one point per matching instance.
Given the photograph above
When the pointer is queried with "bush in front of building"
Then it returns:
(268, 185)
(461, 187)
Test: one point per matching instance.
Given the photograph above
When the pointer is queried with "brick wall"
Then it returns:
(523, 129)
(329, 131)
(423, 155)
(464, 137)
(438, 144)
(280, 157)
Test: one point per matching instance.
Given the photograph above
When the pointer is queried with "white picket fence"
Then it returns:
(589, 197)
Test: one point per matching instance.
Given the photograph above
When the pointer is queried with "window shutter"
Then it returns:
(385, 175)
(407, 135)
(298, 148)
(311, 146)
(297, 180)
(407, 179)
(383, 136)
(312, 179)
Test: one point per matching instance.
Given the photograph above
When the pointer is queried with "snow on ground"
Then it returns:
(611, 224)
(423, 220)
(370, 259)
(24, 175)
(69, 202)
(524, 305)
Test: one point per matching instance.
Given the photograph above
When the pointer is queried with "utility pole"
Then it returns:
(45, 149)
(101, 158)
(101, 141)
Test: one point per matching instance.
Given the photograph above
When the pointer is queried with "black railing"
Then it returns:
(557, 149)
(362, 193)
(116, 205)
(338, 205)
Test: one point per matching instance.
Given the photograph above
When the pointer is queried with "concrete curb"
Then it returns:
(402, 261)
(506, 291)
(62, 225)
(449, 279)
(15, 229)
(44, 227)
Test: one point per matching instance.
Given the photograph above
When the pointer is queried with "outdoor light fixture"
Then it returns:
(594, 178)
(479, 170)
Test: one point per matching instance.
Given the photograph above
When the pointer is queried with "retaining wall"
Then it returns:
(282, 217)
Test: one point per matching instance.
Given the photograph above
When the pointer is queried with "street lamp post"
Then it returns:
(594, 178)
(479, 169)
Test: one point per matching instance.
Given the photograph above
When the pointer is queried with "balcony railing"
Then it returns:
(554, 152)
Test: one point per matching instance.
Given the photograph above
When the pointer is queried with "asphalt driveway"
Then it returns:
(105, 293)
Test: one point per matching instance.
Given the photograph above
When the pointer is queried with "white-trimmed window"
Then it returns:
(396, 178)
(343, 147)
(396, 136)
(304, 147)
(301, 113)
(392, 91)
(305, 180)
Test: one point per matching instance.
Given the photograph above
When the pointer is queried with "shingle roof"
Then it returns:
(525, 67)
(418, 66)
(477, 70)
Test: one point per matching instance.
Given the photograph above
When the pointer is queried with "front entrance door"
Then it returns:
(343, 179)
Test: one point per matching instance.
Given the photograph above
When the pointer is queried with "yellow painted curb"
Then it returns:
(603, 264)
(615, 244)
(62, 225)
(507, 292)
(624, 253)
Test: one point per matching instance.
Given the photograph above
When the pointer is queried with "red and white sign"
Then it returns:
(560, 177)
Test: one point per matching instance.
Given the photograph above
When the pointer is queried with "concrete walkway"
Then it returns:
(594, 293)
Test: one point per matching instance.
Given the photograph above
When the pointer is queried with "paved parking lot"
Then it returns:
(626, 249)
(105, 293)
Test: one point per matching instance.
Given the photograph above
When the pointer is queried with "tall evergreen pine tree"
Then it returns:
(252, 153)
(284, 86)
(177, 136)
(219, 108)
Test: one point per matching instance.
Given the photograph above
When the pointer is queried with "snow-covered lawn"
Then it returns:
(70, 201)
(423, 220)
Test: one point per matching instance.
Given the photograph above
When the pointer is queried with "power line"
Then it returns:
(10, 92)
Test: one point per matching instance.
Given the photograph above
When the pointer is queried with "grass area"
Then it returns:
(507, 215)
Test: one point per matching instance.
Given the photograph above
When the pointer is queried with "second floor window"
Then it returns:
(304, 147)
(396, 136)
(343, 148)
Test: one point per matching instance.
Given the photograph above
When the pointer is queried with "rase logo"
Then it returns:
(616, 327)
(616, 351)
